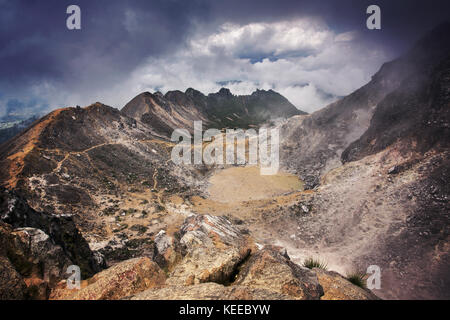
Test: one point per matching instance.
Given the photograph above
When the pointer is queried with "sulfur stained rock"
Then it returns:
(336, 287)
(208, 291)
(270, 270)
(124, 279)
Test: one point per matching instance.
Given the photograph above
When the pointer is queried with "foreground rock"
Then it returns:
(165, 254)
(30, 263)
(216, 261)
(12, 286)
(268, 269)
(124, 279)
(58, 230)
(212, 248)
(220, 261)
(336, 287)
(209, 291)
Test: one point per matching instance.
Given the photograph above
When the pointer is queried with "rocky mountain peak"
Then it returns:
(225, 92)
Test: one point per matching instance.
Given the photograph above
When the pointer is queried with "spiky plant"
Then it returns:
(312, 263)
(358, 278)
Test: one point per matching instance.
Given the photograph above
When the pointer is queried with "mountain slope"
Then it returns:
(176, 109)
(314, 144)
(165, 113)
(95, 163)
(387, 204)
(417, 114)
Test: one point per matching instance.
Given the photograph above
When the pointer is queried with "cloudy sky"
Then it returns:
(312, 52)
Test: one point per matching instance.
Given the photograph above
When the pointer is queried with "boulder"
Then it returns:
(208, 291)
(270, 270)
(336, 287)
(212, 248)
(15, 211)
(393, 170)
(30, 260)
(122, 280)
(165, 254)
(39, 256)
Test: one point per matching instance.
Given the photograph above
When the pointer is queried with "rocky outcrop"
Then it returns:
(336, 287)
(212, 248)
(417, 113)
(208, 291)
(218, 262)
(165, 254)
(12, 286)
(31, 263)
(35, 255)
(268, 269)
(124, 279)
(52, 229)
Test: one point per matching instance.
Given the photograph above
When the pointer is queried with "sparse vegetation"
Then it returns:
(312, 263)
(131, 211)
(358, 278)
(140, 229)
(109, 211)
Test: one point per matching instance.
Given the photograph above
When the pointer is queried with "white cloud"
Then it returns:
(302, 59)
(265, 38)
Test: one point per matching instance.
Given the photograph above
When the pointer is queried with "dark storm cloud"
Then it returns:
(37, 51)
(35, 43)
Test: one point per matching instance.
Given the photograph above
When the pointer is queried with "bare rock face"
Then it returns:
(212, 248)
(12, 286)
(124, 279)
(337, 287)
(60, 230)
(208, 291)
(46, 259)
(398, 97)
(31, 262)
(269, 269)
(165, 253)
(41, 262)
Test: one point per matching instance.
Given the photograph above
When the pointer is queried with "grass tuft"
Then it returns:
(358, 278)
(312, 263)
